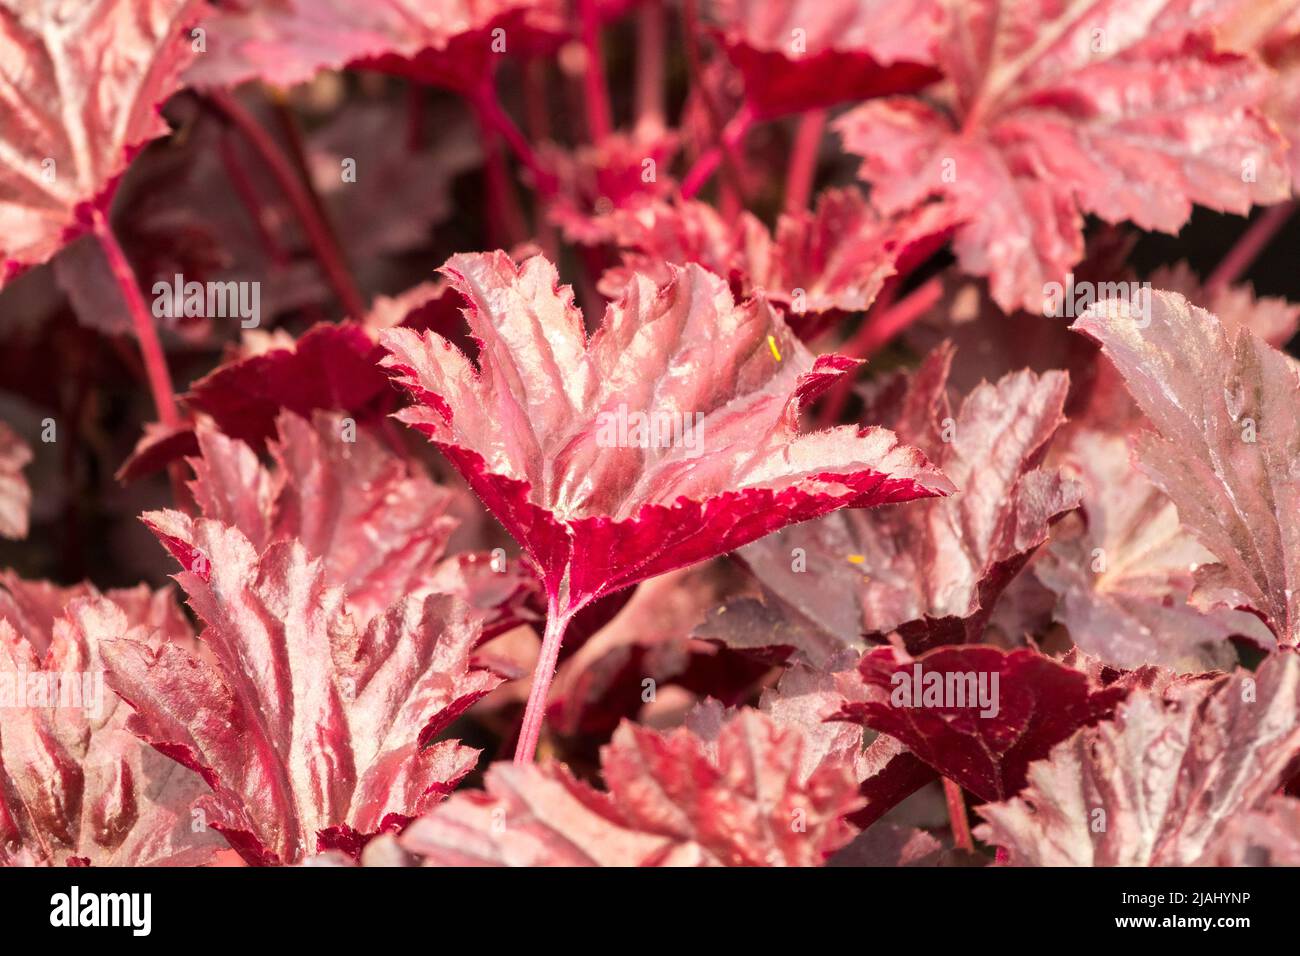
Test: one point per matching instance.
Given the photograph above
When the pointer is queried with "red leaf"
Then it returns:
(809, 54)
(1030, 704)
(596, 513)
(932, 571)
(75, 786)
(1161, 783)
(1224, 406)
(1056, 111)
(157, 448)
(378, 526)
(285, 42)
(82, 88)
(674, 800)
(329, 367)
(306, 726)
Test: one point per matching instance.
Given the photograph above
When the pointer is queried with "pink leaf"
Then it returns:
(311, 731)
(33, 608)
(82, 87)
(674, 800)
(932, 571)
(817, 266)
(534, 428)
(1272, 318)
(1161, 783)
(1224, 407)
(75, 786)
(1058, 111)
(809, 54)
(1029, 704)
(286, 42)
(1123, 579)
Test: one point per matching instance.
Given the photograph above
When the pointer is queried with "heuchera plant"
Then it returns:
(756, 418)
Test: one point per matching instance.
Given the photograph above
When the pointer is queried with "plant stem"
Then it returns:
(538, 119)
(314, 225)
(155, 361)
(874, 332)
(961, 837)
(650, 66)
(543, 674)
(505, 218)
(803, 160)
(600, 121)
(492, 115)
(699, 86)
(732, 136)
(1248, 247)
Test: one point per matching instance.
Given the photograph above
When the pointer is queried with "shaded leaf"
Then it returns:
(15, 494)
(1224, 449)
(1161, 783)
(311, 730)
(1124, 577)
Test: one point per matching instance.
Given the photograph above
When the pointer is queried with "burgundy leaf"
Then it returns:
(1058, 110)
(807, 699)
(158, 447)
(1163, 782)
(81, 91)
(931, 703)
(1224, 407)
(286, 42)
(674, 800)
(809, 54)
